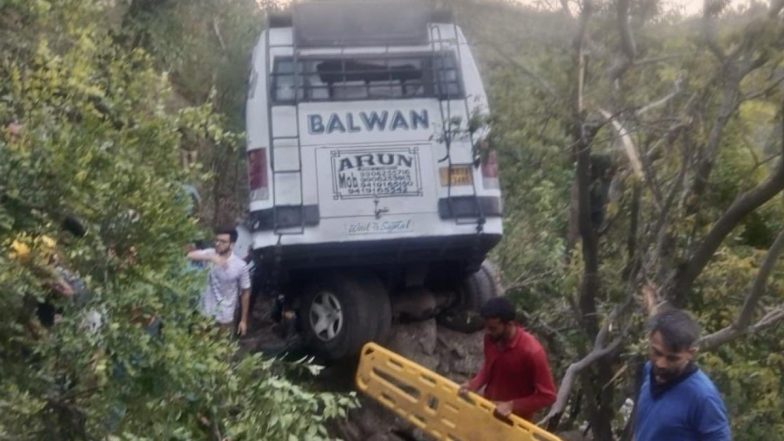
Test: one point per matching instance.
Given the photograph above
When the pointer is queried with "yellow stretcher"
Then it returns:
(431, 402)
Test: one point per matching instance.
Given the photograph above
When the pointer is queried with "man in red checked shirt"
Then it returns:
(515, 373)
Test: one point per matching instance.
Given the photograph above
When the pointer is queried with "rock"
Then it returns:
(414, 304)
(416, 341)
(459, 354)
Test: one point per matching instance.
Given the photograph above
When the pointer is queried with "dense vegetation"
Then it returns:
(91, 181)
(641, 164)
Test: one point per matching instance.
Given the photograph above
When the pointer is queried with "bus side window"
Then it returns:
(315, 89)
(371, 78)
(363, 78)
(283, 78)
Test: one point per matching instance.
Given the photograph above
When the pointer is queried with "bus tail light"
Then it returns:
(490, 170)
(258, 178)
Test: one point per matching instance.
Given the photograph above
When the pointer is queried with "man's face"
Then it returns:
(667, 364)
(495, 329)
(222, 243)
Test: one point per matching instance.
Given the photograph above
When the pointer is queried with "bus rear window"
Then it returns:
(366, 78)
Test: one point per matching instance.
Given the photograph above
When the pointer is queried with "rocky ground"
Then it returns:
(455, 355)
(452, 354)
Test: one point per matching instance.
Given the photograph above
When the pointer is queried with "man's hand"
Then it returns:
(242, 328)
(504, 408)
(464, 389)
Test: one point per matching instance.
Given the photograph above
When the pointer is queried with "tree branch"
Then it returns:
(567, 383)
(729, 104)
(653, 60)
(627, 39)
(742, 206)
(216, 29)
(664, 100)
(743, 321)
(711, 8)
(600, 349)
(628, 46)
(661, 232)
(626, 141)
(760, 282)
(583, 135)
(730, 333)
(768, 89)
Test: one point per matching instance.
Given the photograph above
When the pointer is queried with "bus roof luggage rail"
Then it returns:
(360, 23)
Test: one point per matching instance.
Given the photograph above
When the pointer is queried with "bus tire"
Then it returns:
(382, 305)
(471, 293)
(479, 287)
(341, 312)
(377, 297)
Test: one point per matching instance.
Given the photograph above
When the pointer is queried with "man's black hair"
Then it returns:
(231, 231)
(498, 307)
(678, 329)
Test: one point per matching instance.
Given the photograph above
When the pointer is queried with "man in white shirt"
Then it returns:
(228, 281)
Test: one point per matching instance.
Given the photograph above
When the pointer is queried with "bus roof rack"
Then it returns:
(279, 19)
(442, 16)
(361, 23)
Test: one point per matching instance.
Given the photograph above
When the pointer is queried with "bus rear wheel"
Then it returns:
(342, 312)
(471, 293)
(479, 287)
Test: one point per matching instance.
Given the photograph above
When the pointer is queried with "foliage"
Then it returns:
(87, 133)
(206, 47)
(529, 65)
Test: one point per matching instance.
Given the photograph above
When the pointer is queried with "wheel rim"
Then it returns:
(326, 316)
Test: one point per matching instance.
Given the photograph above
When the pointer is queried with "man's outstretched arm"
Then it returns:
(201, 255)
(242, 328)
(244, 285)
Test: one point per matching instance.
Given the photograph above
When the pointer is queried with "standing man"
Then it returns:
(227, 282)
(677, 401)
(515, 372)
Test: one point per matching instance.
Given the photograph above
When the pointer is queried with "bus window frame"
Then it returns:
(303, 92)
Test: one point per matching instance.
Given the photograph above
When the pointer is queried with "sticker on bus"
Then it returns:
(380, 227)
(376, 173)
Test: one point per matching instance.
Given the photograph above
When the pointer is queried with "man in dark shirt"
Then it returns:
(677, 401)
(515, 373)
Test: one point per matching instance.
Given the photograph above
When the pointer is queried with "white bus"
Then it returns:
(370, 177)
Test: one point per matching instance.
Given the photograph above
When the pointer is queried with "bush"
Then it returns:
(85, 133)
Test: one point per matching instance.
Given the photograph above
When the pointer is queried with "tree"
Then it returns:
(206, 46)
(687, 212)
